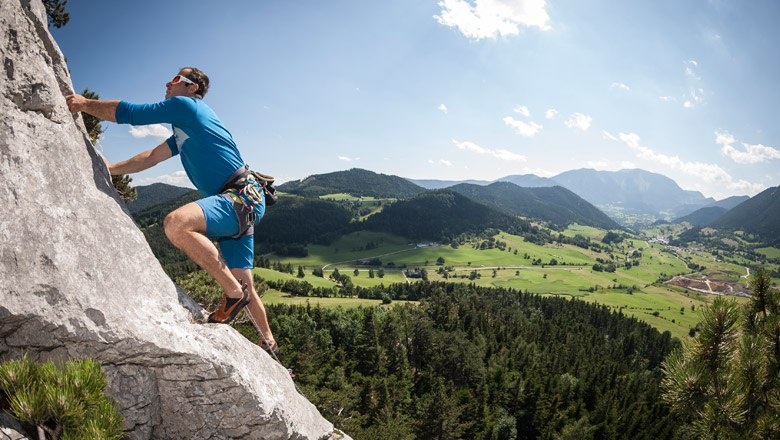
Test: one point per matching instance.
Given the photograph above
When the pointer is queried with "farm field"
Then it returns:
(585, 231)
(368, 205)
(770, 252)
(665, 307)
(273, 296)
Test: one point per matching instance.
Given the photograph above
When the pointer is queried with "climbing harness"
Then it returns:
(246, 189)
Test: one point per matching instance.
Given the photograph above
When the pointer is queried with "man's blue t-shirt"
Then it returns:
(208, 153)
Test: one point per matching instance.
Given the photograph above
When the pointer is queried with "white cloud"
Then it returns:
(499, 154)
(443, 108)
(491, 18)
(752, 154)
(529, 129)
(667, 98)
(580, 121)
(523, 110)
(153, 130)
(707, 172)
(626, 164)
(619, 85)
(690, 70)
(177, 178)
(551, 113)
(348, 159)
(440, 162)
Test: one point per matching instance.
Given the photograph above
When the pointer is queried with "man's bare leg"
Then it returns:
(186, 229)
(255, 307)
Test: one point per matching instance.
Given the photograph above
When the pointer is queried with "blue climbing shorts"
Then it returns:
(222, 223)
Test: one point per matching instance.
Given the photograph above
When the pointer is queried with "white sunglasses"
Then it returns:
(179, 78)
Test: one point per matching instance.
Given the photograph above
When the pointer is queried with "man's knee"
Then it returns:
(173, 225)
(188, 218)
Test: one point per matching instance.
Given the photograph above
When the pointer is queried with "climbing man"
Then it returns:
(233, 200)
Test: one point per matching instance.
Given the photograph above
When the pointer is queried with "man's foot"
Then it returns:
(271, 348)
(229, 307)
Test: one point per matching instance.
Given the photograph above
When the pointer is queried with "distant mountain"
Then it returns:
(528, 181)
(703, 216)
(555, 204)
(729, 202)
(440, 184)
(442, 213)
(759, 215)
(634, 189)
(357, 182)
(155, 194)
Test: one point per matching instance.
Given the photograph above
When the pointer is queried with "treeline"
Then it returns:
(355, 181)
(438, 214)
(478, 363)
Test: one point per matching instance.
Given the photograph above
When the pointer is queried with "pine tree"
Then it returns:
(55, 10)
(301, 274)
(726, 382)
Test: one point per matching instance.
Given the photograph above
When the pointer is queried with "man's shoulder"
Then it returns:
(184, 101)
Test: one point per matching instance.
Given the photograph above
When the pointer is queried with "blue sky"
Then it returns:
(454, 89)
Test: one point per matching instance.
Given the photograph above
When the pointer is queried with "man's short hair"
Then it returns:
(200, 78)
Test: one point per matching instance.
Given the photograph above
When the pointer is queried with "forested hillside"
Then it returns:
(703, 216)
(155, 194)
(436, 215)
(759, 215)
(556, 205)
(357, 182)
(478, 363)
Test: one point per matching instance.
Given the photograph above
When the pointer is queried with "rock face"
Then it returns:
(77, 278)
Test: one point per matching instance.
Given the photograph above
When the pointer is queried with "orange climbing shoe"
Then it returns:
(229, 307)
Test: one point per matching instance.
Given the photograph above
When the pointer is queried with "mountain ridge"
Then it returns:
(759, 215)
(555, 204)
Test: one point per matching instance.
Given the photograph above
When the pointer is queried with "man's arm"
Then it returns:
(105, 110)
(142, 161)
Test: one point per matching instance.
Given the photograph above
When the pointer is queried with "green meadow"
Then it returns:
(663, 306)
(585, 231)
(368, 205)
(770, 252)
(273, 296)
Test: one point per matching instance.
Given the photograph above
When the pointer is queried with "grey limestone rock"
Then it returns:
(77, 278)
(10, 429)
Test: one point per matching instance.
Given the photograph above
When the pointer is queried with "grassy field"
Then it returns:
(344, 197)
(276, 297)
(665, 307)
(585, 231)
(369, 205)
(362, 279)
(770, 252)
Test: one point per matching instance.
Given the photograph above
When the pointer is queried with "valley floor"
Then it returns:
(635, 288)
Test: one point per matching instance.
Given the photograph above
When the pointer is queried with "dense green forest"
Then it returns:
(446, 214)
(556, 205)
(473, 363)
(759, 216)
(358, 182)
